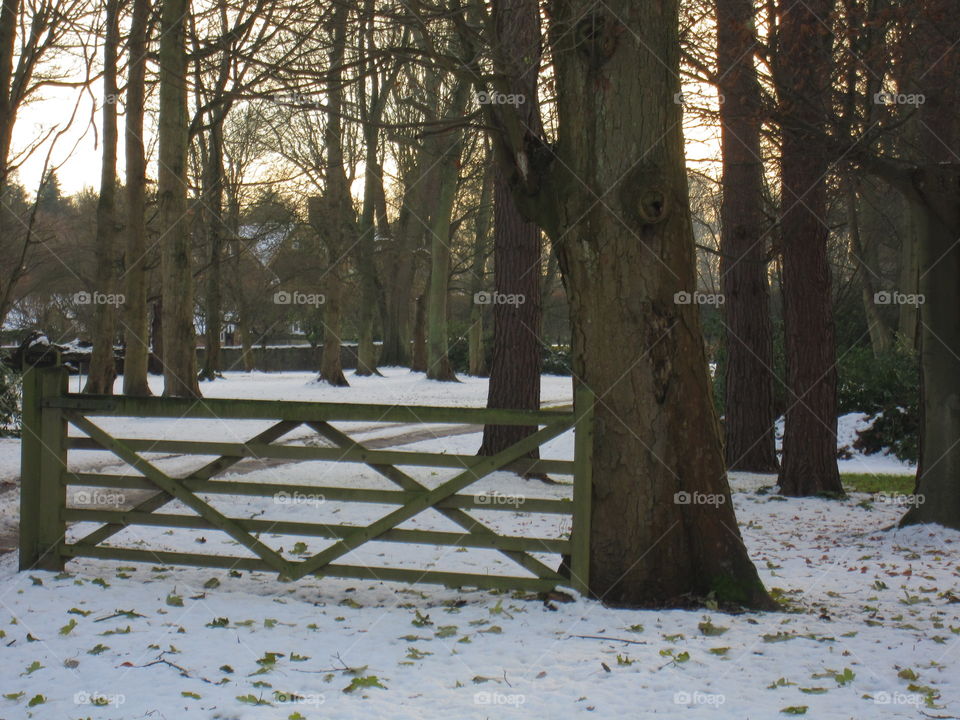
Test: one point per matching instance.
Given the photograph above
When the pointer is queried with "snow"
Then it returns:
(866, 607)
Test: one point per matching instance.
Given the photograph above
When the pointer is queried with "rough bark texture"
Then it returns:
(749, 414)
(179, 342)
(135, 314)
(517, 358)
(937, 192)
(103, 364)
(623, 261)
(809, 462)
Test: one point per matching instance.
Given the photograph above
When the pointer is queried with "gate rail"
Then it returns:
(48, 410)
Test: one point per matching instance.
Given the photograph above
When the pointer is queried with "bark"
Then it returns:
(103, 363)
(212, 193)
(937, 192)
(623, 261)
(863, 257)
(418, 362)
(517, 358)
(938, 469)
(135, 312)
(749, 415)
(477, 358)
(179, 341)
(332, 215)
(446, 148)
(809, 462)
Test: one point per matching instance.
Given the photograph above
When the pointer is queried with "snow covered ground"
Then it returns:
(870, 627)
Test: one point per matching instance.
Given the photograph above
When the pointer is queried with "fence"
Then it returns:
(48, 410)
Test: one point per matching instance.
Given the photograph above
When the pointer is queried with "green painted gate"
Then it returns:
(48, 410)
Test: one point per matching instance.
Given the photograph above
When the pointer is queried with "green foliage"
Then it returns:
(11, 401)
(886, 387)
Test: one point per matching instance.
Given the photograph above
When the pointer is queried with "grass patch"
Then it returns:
(865, 483)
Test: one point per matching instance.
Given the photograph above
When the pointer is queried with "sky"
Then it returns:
(77, 151)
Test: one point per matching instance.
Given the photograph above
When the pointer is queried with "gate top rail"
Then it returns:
(296, 410)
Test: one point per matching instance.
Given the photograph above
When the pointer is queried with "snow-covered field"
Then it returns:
(870, 628)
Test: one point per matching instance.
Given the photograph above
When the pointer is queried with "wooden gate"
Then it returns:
(48, 410)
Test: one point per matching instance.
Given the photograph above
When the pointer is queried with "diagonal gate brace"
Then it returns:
(480, 468)
(461, 518)
(175, 487)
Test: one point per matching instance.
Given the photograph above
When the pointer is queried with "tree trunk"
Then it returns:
(938, 489)
(213, 219)
(103, 363)
(809, 463)
(477, 359)
(418, 362)
(863, 256)
(517, 358)
(136, 354)
(179, 341)
(663, 531)
(937, 189)
(446, 149)
(749, 416)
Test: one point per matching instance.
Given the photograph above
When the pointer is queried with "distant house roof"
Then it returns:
(266, 239)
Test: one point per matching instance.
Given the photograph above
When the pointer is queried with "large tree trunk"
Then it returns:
(809, 463)
(179, 341)
(749, 415)
(135, 313)
(103, 363)
(663, 531)
(937, 191)
(517, 357)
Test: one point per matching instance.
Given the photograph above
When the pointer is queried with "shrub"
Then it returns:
(887, 388)
(11, 394)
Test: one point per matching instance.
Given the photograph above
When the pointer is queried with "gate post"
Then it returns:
(583, 403)
(43, 463)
